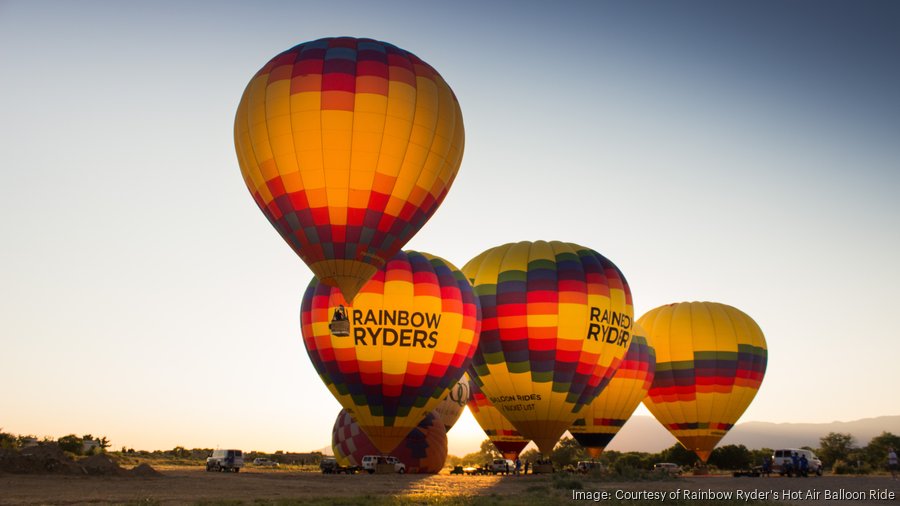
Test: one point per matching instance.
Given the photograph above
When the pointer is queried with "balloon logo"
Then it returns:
(424, 449)
(348, 146)
(505, 437)
(450, 409)
(412, 331)
(710, 362)
(599, 422)
(556, 325)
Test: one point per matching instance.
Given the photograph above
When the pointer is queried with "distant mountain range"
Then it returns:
(645, 434)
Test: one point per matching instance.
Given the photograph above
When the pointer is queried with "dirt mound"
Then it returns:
(145, 471)
(42, 458)
(101, 464)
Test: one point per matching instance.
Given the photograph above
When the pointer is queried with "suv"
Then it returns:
(264, 462)
(667, 467)
(225, 460)
(783, 456)
(371, 462)
(502, 466)
(585, 466)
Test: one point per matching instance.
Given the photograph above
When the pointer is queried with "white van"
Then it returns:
(503, 466)
(783, 456)
(225, 460)
(371, 462)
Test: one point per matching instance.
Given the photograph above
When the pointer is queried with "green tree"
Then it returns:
(71, 443)
(485, 454)
(530, 455)
(568, 452)
(875, 453)
(679, 455)
(835, 446)
(731, 457)
(7, 440)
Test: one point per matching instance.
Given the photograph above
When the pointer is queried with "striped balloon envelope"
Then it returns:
(423, 450)
(348, 146)
(450, 409)
(600, 421)
(710, 362)
(556, 325)
(412, 332)
(499, 430)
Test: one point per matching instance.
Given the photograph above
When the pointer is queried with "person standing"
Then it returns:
(892, 462)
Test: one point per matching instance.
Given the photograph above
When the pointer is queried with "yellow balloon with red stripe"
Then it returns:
(348, 146)
(409, 336)
(557, 322)
(499, 430)
(600, 421)
(710, 362)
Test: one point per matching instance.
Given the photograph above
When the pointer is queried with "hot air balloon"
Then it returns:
(556, 324)
(505, 437)
(413, 329)
(450, 409)
(710, 361)
(424, 449)
(601, 420)
(348, 146)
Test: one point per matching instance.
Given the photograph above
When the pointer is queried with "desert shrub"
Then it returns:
(566, 481)
(844, 467)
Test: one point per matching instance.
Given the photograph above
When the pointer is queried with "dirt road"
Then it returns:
(193, 485)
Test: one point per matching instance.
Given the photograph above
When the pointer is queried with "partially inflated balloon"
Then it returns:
(423, 450)
(601, 420)
(499, 430)
(710, 362)
(348, 146)
(412, 331)
(449, 410)
(556, 324)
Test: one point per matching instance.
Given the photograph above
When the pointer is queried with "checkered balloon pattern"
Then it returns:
(413, 330)
(348, 146)
(556, 325)
(423, 450)
(601, 420)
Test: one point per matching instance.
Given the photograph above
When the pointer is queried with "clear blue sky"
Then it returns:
(745, 153)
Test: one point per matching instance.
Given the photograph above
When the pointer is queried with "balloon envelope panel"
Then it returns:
(556, 324)
(423, 450)
(348, 146)
(412, 331)
(450, 409)
(601, 420)
(710, 362)
(498, 429)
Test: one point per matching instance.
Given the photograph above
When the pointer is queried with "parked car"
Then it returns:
(585, 466)
(330, 465)
(225, 460)
(783, 465)
(370, 462)
(502, 466)
(264, 462)
(667, 467)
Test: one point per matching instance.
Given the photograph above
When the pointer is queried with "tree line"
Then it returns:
(838, 452)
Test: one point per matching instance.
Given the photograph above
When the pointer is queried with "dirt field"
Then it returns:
(251, 486)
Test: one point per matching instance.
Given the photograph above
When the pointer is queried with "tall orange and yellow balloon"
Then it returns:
(348, 147)
(710, 362)
(556, 324)
(413, 329)
(600, 421)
